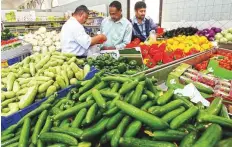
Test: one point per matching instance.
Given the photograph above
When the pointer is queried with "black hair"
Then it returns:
(140, 5)
(116, 4)
(81, 9)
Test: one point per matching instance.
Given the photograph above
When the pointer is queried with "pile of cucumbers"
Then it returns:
(38, 76)
(121, 111)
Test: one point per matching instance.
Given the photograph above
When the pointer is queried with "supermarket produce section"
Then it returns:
(169, 92)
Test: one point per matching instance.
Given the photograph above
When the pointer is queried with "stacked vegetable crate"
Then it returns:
(121, 111)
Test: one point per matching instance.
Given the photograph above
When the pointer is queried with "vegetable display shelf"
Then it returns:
(175, 61)
(14, 118)
(162, 73)
(10, 57)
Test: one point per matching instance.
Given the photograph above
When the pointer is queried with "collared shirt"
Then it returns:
(142, 28)
(74, 38)
(118, 33)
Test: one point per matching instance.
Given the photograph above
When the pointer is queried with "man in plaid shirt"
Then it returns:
(142, 25)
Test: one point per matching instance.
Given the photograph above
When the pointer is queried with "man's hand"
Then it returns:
(102, 38)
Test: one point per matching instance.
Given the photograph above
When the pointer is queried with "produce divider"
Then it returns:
(14, 118)
(225, 45)
(10, 57)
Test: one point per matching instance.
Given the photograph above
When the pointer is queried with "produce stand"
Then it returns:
(15, 55)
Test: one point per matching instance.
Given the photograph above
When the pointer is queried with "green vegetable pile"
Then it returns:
(113, 66)
(6, 35)
(122, 111)
(38, 76)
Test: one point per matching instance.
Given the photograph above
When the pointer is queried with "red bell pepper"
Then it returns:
(162, 47)
(167, 58)
(158, 56)
(150, 63)
(178, 54)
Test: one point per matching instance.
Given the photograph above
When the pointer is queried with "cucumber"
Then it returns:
(161, 110)
(10, 141)
(38, 126)
(47, 125)
(203, 88)
(99, 86)
(147, 105)
(189, 139)
(57, 145)
(58, 138)
(116, 87)
(16, 144)
(73, 110)
(119, 131)
(114, 121)
(91, 113)
(7, 137)
(210, 137)
(133, 129)
(25, 132)
(95, 130)
(166, 136)
(224, 112)
(98, 98)
(209, 118)
(64, 123)
(148, 119)
(112, 111)
(172, 114)
(107, 137)
(135, 99)
(84, 144)
(150, 85)
(116, 79)
(128, 87)
(34, 112)
(165, 97)
(129, 96)
(109, 94)
(79, 118)
(75, 132)
(186, 102)
(225, 143)
(89, 84)
(184, 117)
(150, 95)
(135, 142)
(215, 106)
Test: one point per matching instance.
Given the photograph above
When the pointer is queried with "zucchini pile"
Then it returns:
(36, 77)
(121, 111)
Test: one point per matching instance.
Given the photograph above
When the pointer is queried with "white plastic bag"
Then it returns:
(93, 51)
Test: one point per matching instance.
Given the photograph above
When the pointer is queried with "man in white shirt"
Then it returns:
(117, 28)
(74, 39)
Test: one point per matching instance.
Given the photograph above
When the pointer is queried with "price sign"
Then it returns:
(4, 64)
(114, 53)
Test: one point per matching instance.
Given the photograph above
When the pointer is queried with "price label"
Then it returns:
(4, 64)
(114, 53)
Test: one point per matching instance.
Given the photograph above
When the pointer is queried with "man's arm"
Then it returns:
(153, 25)
(126, 38)
(98, 39)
